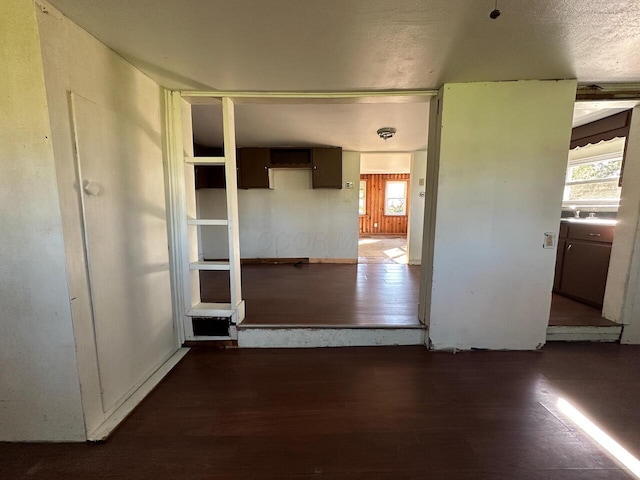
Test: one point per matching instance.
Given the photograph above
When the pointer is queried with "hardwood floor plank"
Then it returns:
(351, 413)
(323, 294)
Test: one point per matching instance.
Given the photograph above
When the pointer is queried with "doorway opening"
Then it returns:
(300, 233)
(384, 208)
(592, 195)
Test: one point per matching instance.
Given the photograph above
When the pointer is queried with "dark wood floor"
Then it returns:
(567, 312)
(364, 413)
(323, 294)
(349, 295)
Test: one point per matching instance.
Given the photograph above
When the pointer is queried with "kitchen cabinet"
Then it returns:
(210, 176)
(253, 167)
(582, 264)
(327, 167)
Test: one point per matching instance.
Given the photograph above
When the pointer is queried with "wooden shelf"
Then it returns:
(210, 266)
(202, 221)
(205, 160)
(211, 310)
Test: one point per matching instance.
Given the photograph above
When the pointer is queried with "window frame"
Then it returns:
(406, 197)
(592, 202)
(364, 198)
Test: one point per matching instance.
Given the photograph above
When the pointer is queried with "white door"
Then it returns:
(121, 172)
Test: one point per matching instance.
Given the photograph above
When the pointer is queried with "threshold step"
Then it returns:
(205, 160)
(312, 337)
(211, 310)
(203, 221)
(210, 265)
(559, 333)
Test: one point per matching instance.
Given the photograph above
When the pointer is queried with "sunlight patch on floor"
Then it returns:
(367, 241)
(604, 440)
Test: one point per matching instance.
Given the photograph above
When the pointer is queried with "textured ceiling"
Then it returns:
(365, 44)
(350, 126)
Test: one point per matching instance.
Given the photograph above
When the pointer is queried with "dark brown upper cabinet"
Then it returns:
(290, 157)
(210, 176)
(253, 167)
(326, 167)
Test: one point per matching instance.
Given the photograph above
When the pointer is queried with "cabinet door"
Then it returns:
(584, 270)
(253, 168)
(562, 244)
(327, 167)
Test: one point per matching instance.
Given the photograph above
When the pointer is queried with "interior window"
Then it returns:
(395, 197)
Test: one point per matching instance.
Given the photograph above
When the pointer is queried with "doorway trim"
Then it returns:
(182, 279)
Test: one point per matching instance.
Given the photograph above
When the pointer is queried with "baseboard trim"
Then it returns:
(286, 261)
(274, 261)
(107, 427)
(350, 261)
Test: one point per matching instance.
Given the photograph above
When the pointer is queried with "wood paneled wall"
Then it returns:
(375, 206)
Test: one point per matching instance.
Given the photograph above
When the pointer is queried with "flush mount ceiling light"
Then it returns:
(386, 133)
(495, 13)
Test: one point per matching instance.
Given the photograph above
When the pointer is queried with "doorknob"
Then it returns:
(91, 188)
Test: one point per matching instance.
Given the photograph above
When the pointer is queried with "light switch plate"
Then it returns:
(549, 240)
(421, 182)
(349, 185)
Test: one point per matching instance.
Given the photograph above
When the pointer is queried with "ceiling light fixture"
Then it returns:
(386, 133)
(495, 13)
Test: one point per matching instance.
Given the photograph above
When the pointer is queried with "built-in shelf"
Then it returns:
(209, 265)
(211, 310)
(205, 160)
(202, 221)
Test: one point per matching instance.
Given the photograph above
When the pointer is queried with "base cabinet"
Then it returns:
(584, 271)
(582, 263)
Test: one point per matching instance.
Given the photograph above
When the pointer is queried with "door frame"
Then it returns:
(175, 182)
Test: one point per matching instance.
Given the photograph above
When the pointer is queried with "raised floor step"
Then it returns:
(257, 336)
(580, 333)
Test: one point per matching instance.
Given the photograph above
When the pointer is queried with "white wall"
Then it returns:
(503, 155)
(74, 61)
(416, 206)
(378, 163)
(39, 388)
(292, 220)
(622, 300)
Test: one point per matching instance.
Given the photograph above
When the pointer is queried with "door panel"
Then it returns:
(584, 270)
(120, 168)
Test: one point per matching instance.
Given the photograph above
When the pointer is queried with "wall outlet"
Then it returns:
(421, 182)
(549, 240)
(375, 225)
(348, 184)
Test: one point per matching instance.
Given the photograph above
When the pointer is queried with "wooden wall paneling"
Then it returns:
(375, 206)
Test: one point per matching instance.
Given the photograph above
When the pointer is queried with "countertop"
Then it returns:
(591, 221)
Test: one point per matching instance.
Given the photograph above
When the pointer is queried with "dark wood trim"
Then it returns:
(211, 344)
